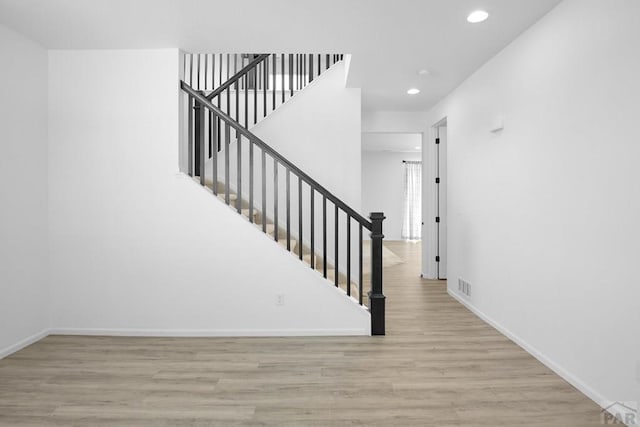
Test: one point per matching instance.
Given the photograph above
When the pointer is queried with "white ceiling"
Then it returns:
(390, 40)
(402, 142)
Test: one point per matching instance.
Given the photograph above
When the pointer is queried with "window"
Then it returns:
(412, 218)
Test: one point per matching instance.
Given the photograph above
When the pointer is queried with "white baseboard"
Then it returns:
(22, 344)
(559, 370)
(208, 332)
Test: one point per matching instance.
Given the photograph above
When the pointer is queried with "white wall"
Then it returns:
(136, 247)
(383, 187)
(23, 191)
(543, 217)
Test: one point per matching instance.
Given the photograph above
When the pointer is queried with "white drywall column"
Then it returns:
(24, 289)
(543, 216)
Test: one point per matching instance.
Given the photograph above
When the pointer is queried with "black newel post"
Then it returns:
(376, 297)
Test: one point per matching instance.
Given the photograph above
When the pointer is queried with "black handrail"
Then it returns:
(273, 153)
(250, 66)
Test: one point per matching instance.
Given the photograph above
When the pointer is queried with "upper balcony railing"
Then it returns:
(248, 87)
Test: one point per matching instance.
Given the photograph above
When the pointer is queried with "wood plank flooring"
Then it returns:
(439, 365)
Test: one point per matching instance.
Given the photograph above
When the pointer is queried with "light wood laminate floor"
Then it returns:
(439, 365)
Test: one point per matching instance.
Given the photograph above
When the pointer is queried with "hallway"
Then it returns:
(438, 365)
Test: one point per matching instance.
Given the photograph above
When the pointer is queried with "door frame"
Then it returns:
(434, 232)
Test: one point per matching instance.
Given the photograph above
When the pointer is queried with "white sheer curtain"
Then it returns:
(412, 218)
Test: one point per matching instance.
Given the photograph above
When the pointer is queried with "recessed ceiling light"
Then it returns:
(417, 148)
(413, 91)
(477, 16)
(423, 72)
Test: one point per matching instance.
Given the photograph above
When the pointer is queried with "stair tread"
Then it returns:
(232, 197)
(283, 243)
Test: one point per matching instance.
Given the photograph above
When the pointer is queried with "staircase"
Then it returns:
(269, 191)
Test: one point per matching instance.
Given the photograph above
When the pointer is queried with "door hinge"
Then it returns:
(437, 258)
(437, 219)
(437, 180)
(437, 140)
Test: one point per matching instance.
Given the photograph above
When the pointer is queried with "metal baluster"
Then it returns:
(219, 104)
(312, 228)
(265, 83)
(337, 241)
(360, 264)
(310, 67)
(190, 135)
(275, 198)
(319, 64)
(214, 155)
(219, 138)
(199, 141)
(288, 179)
(326, 62)
(191, 69)
(348, 255)
(239, 177)
(227, 133)
(282, 72)
(324, 235)
(299, 73)
(228, 64)
(246, 102)
(251, 219)
(300, 218)
(264, 192)
(206, 69)
(210, 138)
(273, 80)
(291, 73)
(255, 95)
(304, 70)
(237, 108)
(198, 73)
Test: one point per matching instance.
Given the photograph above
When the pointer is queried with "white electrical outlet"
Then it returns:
(280, 299)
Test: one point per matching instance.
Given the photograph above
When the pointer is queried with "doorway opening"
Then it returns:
(391, 183)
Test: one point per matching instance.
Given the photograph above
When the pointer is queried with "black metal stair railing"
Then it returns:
(262, 157)
(229, 80)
